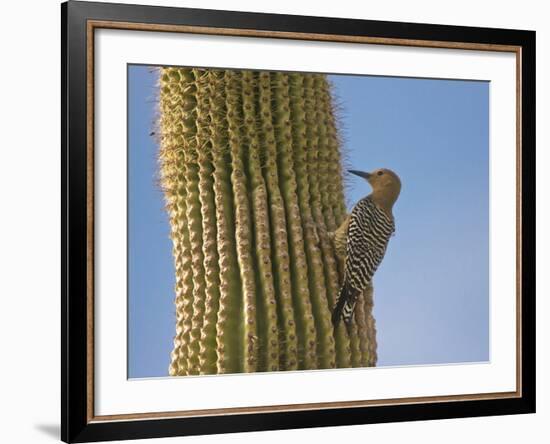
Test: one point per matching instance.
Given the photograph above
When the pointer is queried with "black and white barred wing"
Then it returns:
(369, 232)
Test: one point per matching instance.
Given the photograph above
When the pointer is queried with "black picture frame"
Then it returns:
(76, 325)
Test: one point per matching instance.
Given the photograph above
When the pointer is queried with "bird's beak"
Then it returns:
(360, 174)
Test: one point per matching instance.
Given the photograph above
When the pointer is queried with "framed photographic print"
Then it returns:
(276, 221)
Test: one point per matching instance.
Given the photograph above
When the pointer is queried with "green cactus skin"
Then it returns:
(347, 354)
(314, 135)
(229, 348)
(250, 166)
(335, 187)
(361, 320)
(326, 352)
(171, 157)
(334, 190)
(371, 327)
(243, 220)
(281, 260)
(194, 221)
(305, 323)
(267, 313)
(184, 288)
(207, 344)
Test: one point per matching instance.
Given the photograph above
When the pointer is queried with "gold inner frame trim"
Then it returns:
(97, 24)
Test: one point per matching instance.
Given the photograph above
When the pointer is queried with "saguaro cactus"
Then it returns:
(250, 166)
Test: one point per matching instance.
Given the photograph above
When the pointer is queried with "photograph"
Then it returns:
(283, 221)
(298, 221)
(275, 222)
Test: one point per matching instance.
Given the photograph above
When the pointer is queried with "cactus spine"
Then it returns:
(250, 166)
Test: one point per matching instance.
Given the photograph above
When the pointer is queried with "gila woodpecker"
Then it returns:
(363, 237)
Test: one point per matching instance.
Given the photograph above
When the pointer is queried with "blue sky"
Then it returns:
(432, 289)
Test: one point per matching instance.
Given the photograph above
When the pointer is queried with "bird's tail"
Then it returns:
(344, 306)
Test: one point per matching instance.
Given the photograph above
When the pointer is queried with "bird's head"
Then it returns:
(385, 184)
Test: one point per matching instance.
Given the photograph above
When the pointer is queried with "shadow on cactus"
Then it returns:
(250, 166)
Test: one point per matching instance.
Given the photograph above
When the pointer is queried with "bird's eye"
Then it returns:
(380, 173)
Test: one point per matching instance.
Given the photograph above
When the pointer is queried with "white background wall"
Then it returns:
(30, 208)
